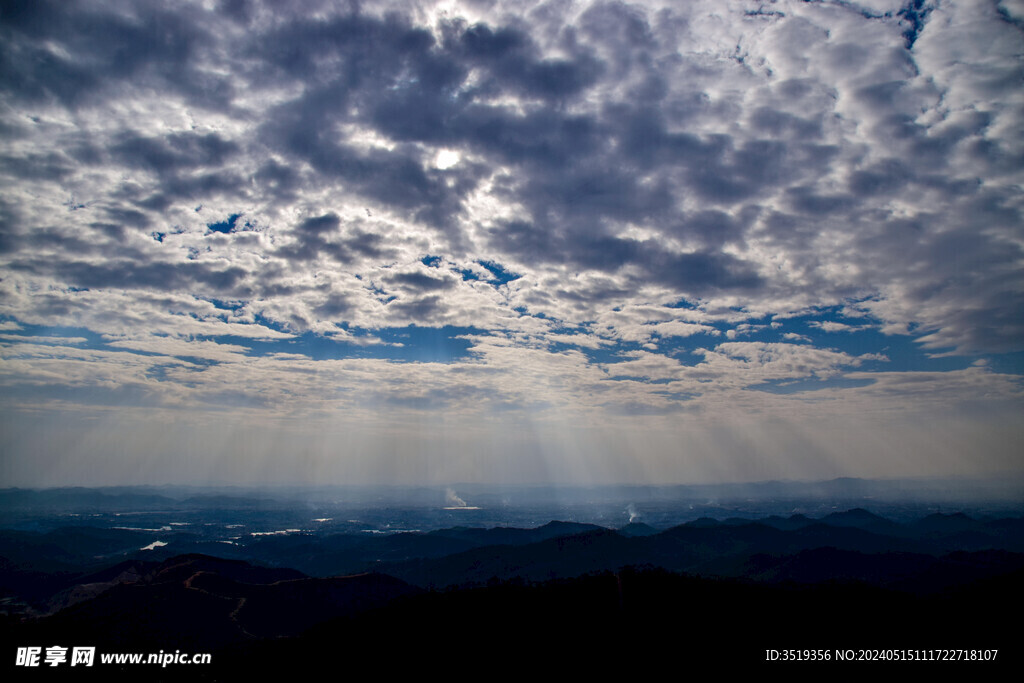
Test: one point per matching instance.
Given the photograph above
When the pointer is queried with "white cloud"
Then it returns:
(650, 175)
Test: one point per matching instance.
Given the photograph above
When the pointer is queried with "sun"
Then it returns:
(446, 158)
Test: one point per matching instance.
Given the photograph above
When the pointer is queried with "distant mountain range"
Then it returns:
(947, 574)
(1006, 491)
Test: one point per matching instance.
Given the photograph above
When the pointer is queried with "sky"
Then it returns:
(563, 242)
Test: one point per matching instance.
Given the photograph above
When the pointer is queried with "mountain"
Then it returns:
(638, 529)
(198, 602)
(583, 596)
(859, 518)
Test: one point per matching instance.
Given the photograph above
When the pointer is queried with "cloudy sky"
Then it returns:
(563, 241)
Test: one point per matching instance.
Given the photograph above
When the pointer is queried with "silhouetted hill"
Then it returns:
(202, 602)
(704, 523)
(88, 586)
(811, 554)
(637, 622)
(788, 523)
(574, 593)
(638, 529)
(823, 565)
(181, 568)
(860, 518)
(79, 499)
(69, 546)
(946, 524)
(345, 553)
(514, 536)
(562, 556)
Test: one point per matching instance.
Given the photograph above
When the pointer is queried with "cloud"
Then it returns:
(622, 209)
(832, 326)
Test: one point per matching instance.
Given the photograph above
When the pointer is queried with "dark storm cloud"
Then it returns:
(369, 50)
(542, 138)
(103, 50)
(806, 200)
(511, 58)
(423, 308)
(421, 282)
(10, 220)
(277, 180)
(396, 178)
(368, 244)
(173, 152)
(714, 227)
(128, 217)
(111, 230)
(624, 28)
(586, 194)
(398, 79)
(196, 188)
(784, 125)
(51, 166)
(334, 306)
(886, 177)
(113, 274)
(977, 281)
(625, 143)
(357, 66)
(321, 235)
(395, 76)
(51, 238)
(701, 272)
(320, 225)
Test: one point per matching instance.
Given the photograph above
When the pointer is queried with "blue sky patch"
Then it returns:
(411, 344)
(797, 386)
(500, 275)
(225, 226)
